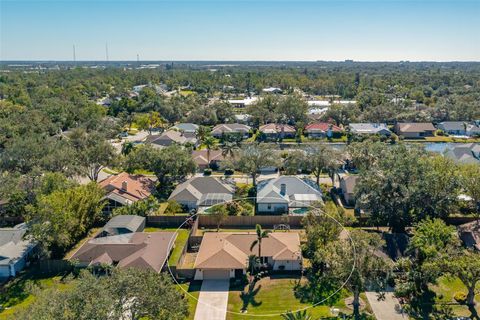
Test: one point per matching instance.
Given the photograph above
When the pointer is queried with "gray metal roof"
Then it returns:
(129, 222)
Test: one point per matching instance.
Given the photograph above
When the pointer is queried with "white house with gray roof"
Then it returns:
(203, 192)
(15, 250)
(281, 194)
(369, 128)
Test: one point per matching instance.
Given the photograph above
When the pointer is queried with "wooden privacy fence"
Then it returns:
(251, 221)
(53, 266)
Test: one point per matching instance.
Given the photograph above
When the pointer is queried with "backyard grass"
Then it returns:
(446, 289)
(182, 238)
(16, 295)
(273, 296)
(80, 243)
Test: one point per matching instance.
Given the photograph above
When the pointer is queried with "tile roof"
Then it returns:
(230, 127)
(138, 187)
(322, 126)
(276, 128)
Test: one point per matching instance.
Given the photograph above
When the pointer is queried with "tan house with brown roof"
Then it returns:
(201, 158)
(124, 189)
(415, 130)
(225, 255)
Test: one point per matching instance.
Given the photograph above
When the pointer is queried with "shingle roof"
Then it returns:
(349, 182)
(220, 250)
(129, 222)
(200, 156)
(464, 153)
(415, 127)
(230, 127)
(13, 245)
(368, 128)
(452, 125)
(140, 250)
(299, 192)
(186, 127)
(196, 187)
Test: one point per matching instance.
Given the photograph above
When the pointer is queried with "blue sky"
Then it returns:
(387, 30)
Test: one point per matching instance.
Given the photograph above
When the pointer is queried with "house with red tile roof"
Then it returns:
(321, 130)
(124, 189)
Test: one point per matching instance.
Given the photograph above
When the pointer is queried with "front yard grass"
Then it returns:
(273, 295)
(192, 288)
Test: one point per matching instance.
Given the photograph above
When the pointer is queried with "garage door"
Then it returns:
(216, 274)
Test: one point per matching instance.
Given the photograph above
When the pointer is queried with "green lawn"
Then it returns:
(272, 295)
(15, 295)
(182, 238)
(194, 289)
(446, 289)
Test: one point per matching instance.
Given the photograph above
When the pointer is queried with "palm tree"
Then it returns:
(202, 133)
(299, 315)
(210, 143)
(252, 263)
(229, 148)
(261, 234)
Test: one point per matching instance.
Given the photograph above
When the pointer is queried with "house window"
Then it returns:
(269, 206)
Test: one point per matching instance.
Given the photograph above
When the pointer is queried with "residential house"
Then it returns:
(369, 128)
(321, 130)
(242, 103)
(272, 90)
(124, 189)
(141, 250)
(464, 152)
(454, 128)
(189, 129)
(286, 193)
(201, 158)
(470, 235)
(231, 128)
(123, 224)
(274, 131)
(225, 255)
(473, 130)
(243, 118)
(200, 193)
(347, 185)
(15, 250)
(171, 137)
(415, 130)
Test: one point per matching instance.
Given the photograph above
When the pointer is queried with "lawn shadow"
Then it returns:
(248, 297)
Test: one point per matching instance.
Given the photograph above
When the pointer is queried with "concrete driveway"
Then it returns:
(213, 300)
(385, 309)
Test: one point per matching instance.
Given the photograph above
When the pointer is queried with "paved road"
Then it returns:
(385, 309)
(213, 300)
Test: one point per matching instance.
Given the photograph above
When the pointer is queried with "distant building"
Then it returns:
(202, 192)
(170, 137)
(201, 158)
(242, 103)
(189, 129)
(281, 194)
(15, 250)
(221, 129)
(347, 185)
(124, 189)
(272, 90)
(464, 153)
(369, 128)
(273, 131)
(415, 130)
(454, 128)
(321, 130)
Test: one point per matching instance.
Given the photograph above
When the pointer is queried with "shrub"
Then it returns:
(207, 172)
(173, 207)
(460, 297)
